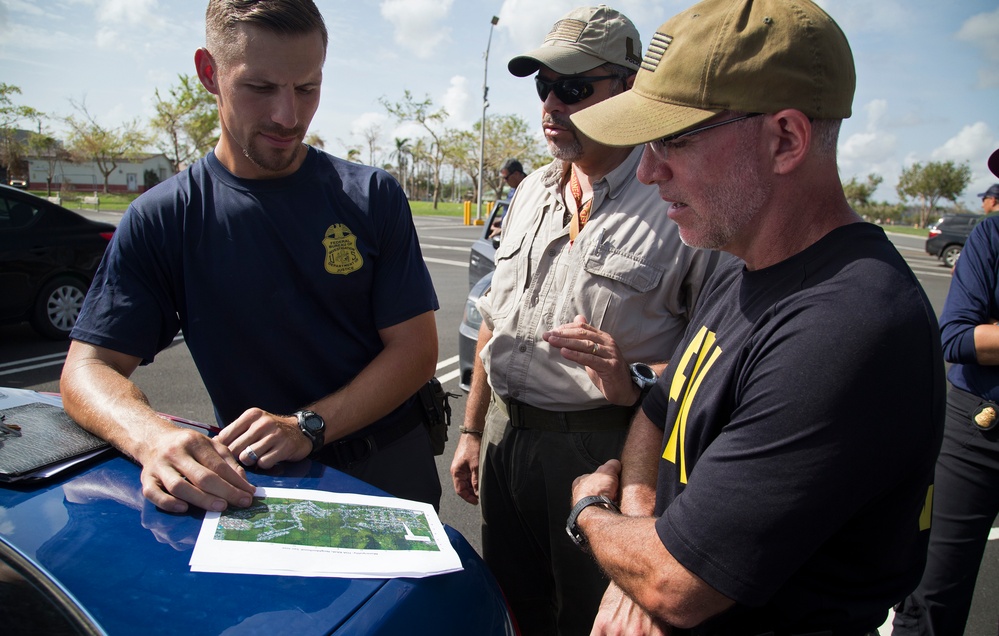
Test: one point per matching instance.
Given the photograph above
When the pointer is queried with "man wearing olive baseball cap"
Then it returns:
(790, 446)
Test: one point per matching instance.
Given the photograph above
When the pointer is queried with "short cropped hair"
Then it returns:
(288, 17)
(511, 166)
(825, 135)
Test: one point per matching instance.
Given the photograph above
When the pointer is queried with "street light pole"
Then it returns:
(485, 104)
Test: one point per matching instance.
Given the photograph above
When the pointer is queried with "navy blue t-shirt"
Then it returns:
(803, 413)
(279, 286)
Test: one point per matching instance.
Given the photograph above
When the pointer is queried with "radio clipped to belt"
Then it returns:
(436, 412)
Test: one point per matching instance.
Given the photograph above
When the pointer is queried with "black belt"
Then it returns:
(348, 451)
(604, 418)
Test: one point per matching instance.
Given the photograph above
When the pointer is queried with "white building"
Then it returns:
(128, 176)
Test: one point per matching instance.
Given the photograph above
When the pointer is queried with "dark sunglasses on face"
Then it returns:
(569, 90)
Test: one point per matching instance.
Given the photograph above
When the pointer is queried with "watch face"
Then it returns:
(313, 423)
(643, 374)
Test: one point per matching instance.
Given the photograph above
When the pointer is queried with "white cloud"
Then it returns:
(980, 32)
(418, 24)
(366, 122)
(970, 144)
(130, 12)
(526, 22)
(457, 102)
(860, 150)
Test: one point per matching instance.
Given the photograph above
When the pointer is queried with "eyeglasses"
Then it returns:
(660, 147)
(569, 90)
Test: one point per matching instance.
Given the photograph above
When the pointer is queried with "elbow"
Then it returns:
(428, 362)
(670, 608)
(679, 604)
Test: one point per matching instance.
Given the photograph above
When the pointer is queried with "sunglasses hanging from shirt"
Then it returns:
(569, 90)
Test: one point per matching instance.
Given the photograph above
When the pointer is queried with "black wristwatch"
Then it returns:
(645, 377)
(313, 427)
(572, 528)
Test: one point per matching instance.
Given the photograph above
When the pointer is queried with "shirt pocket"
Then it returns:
(630, 269)
(507, 276)
(613, 288)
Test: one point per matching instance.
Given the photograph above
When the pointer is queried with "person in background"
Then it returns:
(512, 173)
(295, 277)
(584, 243)
(777, 479)
(990, 199)
(966, 489)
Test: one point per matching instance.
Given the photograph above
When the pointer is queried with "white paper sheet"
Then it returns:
(294, 532)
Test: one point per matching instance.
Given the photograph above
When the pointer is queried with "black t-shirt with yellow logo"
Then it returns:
(802, 416)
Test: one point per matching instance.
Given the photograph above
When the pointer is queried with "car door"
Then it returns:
(19, 258)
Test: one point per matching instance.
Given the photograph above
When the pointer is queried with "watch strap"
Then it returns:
(317, 438)
(572, 528)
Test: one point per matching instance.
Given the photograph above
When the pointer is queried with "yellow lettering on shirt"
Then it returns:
(703, 351)
(927, 512)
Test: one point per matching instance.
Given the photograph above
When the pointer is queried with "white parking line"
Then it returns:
(441, 261)
(450, 375)
(50, 360)
(430, 246)
(61, 356)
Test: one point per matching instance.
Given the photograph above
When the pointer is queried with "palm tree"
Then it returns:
(402, 152)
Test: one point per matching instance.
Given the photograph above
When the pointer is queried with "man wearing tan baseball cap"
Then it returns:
(778, 478)
(588, 248)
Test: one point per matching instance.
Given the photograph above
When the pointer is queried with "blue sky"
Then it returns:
(928, 71)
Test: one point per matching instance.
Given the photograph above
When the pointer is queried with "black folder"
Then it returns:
(36, 439)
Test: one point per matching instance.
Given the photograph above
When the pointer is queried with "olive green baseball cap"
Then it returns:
(583, 39)
(754, 56)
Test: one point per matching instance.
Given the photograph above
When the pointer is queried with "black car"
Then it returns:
(48, 257)
(947, 236)
(480, 275)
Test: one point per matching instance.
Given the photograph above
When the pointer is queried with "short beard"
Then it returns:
(568, 152)
(274, 163)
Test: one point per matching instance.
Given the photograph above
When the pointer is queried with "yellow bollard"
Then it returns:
(468, 212)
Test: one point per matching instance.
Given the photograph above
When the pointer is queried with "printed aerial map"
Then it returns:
(327, 525)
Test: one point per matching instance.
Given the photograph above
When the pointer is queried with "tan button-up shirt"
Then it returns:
(627, 272)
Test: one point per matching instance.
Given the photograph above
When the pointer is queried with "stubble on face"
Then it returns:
(568, 151)
(268, 158)
(258, 69)
(727, 206)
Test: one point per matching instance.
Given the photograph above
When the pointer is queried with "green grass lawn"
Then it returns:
(426, 208)
(74, 200)
(115, 201)
(120, 202)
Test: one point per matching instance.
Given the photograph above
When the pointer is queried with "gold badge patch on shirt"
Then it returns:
(342, 256)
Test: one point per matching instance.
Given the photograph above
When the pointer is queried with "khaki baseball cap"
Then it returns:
(754, 56)
(585, 38)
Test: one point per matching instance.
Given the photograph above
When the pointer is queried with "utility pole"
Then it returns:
(485, 104)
